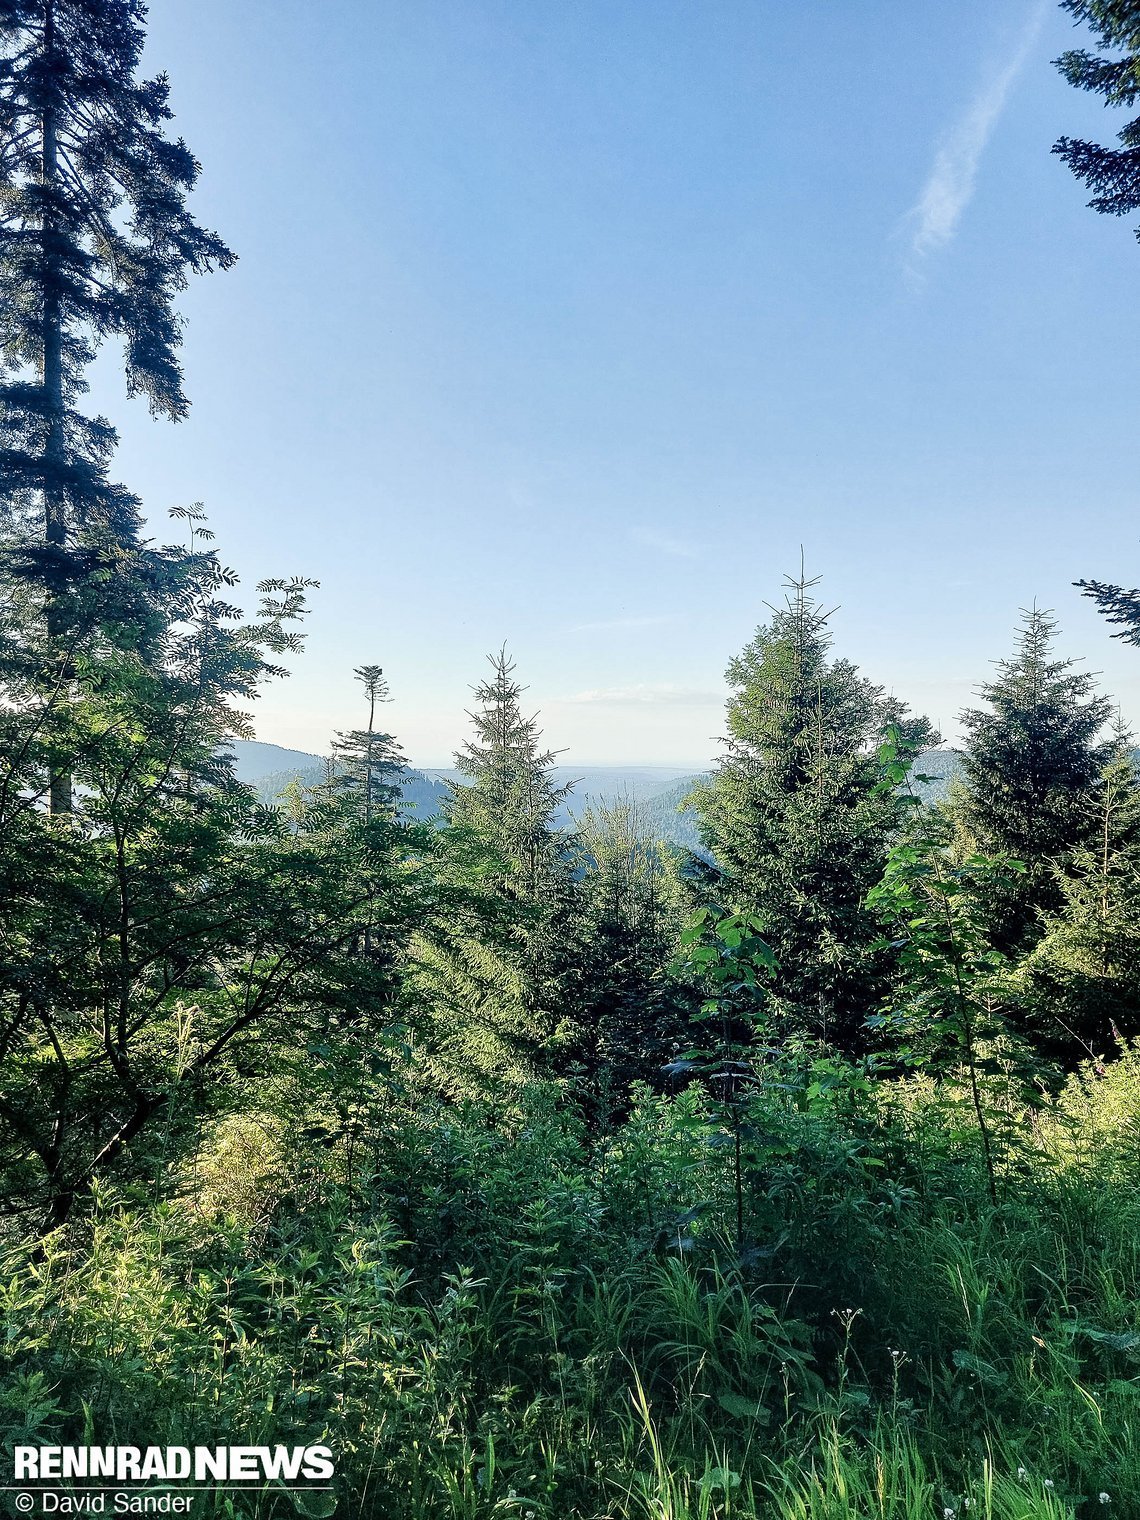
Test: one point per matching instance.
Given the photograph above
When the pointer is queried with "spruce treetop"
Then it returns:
(794, 814)
(512, 798)
(1034, 760)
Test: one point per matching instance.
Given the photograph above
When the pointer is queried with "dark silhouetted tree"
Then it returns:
(1112, 174)
(95, 243)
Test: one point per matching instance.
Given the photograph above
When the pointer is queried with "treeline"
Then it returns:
(171, 942)
(541, 1173)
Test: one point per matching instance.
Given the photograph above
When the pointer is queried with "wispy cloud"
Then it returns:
(659, 693)
(950, 183)
(606, 625)
(665, 543)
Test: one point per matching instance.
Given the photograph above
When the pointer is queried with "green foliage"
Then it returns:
(477, 1152)
(949, 996)
(1081, 983)
(1111, 173)
(1032, 770)
(795, 819)
(483, 1321)
(628, 1016)
(495, 979)
(510, 800)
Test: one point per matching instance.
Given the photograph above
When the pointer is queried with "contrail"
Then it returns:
(950, 183)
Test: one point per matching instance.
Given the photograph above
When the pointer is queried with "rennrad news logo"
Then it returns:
(70, 1480)
(137, 1464)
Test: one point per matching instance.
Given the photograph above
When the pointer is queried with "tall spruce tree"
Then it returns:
(511, 799)
(1113, 174)
(498, 987)
(1032, 770)
(95, 243)
(795, 818)
(1081, 983)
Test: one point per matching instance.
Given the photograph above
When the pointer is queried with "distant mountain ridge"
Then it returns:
(271, 768)
(657, 791)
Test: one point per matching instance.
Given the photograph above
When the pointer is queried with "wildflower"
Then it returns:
(1048, 1482)
(966, 1503)
(1022, 1474)
(948, 1513)
(1102, 1498)
(528, 1514)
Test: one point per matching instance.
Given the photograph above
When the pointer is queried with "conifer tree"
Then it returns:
(1032, 771)
(367, 762)
(498, 987)
(1113, 174)
(1118, 605)
(794, 818)
(629, 1015)
(1081, 983)
(95, 243)
(510, 802)
(359, 802)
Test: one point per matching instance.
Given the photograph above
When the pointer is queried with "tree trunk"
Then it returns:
(55, 449)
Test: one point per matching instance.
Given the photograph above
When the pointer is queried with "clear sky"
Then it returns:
(566, 324)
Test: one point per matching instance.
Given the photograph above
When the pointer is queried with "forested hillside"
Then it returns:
(660, 795)
(272, 770)
(761, 1144)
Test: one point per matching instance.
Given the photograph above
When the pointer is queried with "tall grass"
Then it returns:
(507, 1321)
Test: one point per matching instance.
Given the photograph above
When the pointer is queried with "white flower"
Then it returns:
(1048, 1482)
(1102, 1498)
(1021, 1473)
(948, 1513)
(966, 1503)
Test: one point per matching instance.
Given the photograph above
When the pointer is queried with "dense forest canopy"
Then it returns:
(542, 1165)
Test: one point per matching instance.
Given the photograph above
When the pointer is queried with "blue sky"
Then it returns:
(566, 324)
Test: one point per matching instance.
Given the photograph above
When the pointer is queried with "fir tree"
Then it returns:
(511, 800)
(630, 1016)
(1116, 605)
(1113, 174)
(498, 978)
(95, 243)
(1081, 983)
(795, 819)
(1032, 771)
